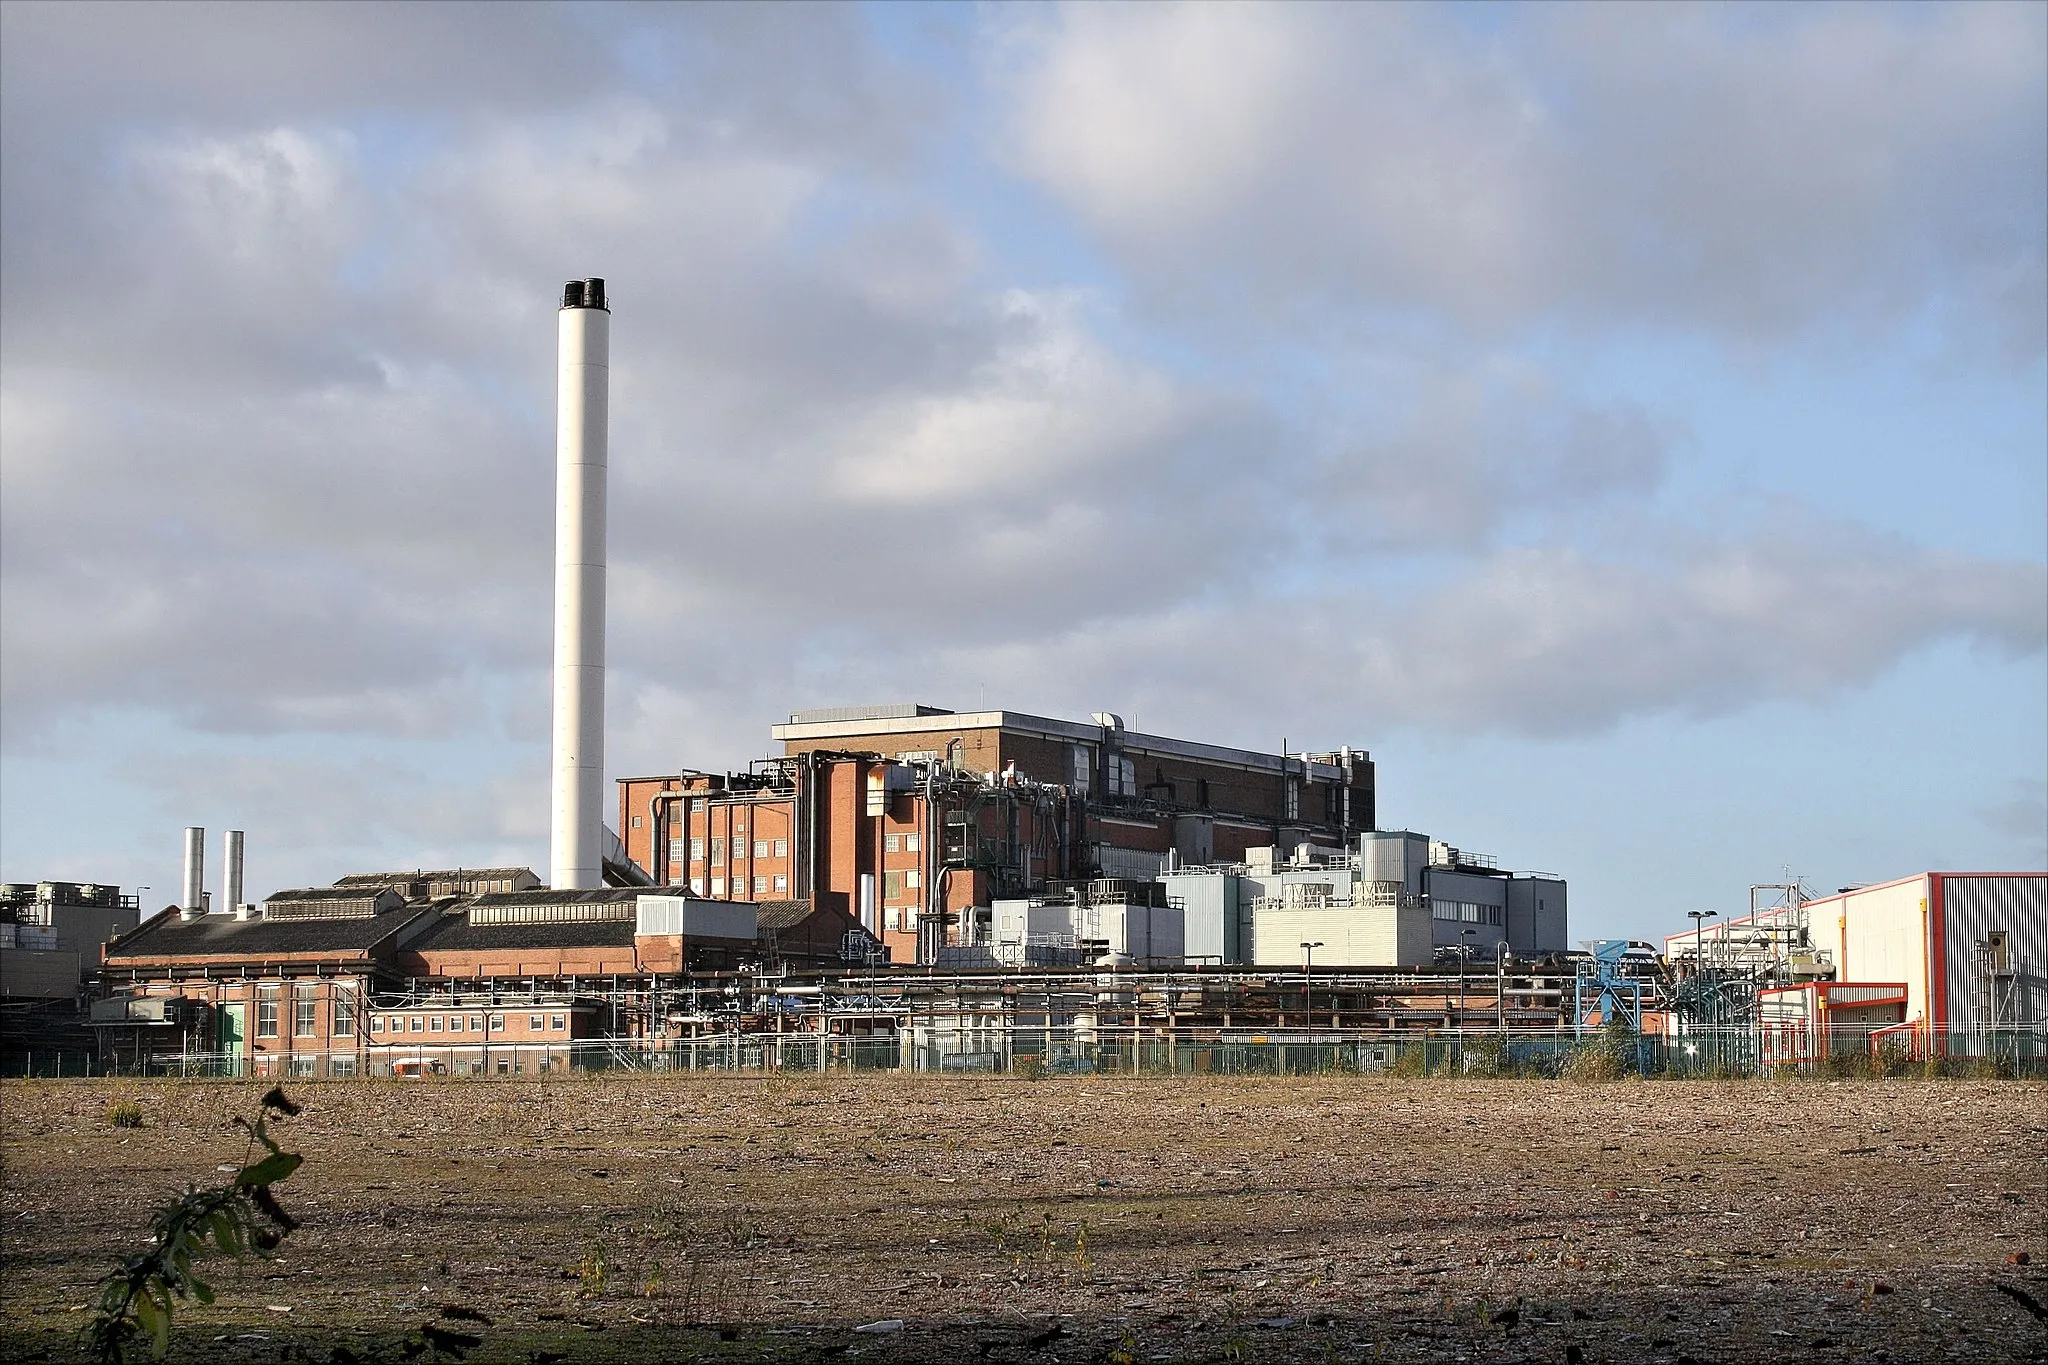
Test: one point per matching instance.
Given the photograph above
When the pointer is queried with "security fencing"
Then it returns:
(939, 1049)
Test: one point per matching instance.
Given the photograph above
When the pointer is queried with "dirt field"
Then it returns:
(1073, 1219)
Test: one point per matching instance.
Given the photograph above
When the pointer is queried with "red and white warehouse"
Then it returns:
(1967, 951)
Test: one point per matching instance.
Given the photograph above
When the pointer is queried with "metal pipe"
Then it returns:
(583, 377)
(192, 898)
(231, 878)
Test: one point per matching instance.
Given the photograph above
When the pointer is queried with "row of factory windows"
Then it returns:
(761, 849)
(1465, 912)
(431, 1023)
(305, 1011)
(762, 885)
(777, 848)
(342, 1017)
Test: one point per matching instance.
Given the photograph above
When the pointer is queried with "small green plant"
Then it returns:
(1027, 1066)
(592, 1271)
(239, 1217)
(125, 1114)
(1084, 1263)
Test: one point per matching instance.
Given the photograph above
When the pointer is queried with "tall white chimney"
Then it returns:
(231, 876)
(576, 848)
(192, 898)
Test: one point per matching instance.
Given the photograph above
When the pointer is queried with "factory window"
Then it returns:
(892, 885)
(533, 1023)
(696, 886)
(419, 1025)
(435, 1023)
(344, 1010)
(1997, 952)
(910, 877)
(675, 850)
(718, 850)
(781, 882)
(497, 1023)
(782, 848)
(718, 886)
(266, 1011)
(302, 1066)
(910, 844)
(341, 1066)
(476, 1023)
(892, 918)
(504, 1066)
(1291, 800)
(377, 1023)
(760, 848)
(636, 822)
(760, 886)
(697, 849)
(1081, 768)
(892, 843)
(558, 1022)
(305, 1010)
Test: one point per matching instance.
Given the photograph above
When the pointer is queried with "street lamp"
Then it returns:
(1308, 957)
(1465, 937)
(1500, 987)
(1699, 920)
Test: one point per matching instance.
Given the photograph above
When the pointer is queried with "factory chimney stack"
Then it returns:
(231, 876)
(192, 897)
(576, 847)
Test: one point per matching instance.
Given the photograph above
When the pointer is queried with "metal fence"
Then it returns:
(942, 1050)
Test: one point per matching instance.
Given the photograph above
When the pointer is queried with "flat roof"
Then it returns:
(1045, 727)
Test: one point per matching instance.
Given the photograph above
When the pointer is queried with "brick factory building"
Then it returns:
(374, 975)
(911, 818)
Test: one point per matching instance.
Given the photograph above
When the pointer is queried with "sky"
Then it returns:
(1629, 423)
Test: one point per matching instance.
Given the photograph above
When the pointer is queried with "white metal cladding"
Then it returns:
(1973, 907)
(697, 918)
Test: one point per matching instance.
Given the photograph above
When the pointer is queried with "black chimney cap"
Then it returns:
(584, 294)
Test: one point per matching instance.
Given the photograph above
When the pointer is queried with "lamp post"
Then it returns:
(1500, 988)
(1465, 937)
(1699, 920)
(1308, 958)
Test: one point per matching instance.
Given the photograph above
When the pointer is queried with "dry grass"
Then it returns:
(650, 1218)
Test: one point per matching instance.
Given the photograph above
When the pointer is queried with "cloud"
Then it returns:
(1750, 174)
(279, 360)
(2021, 817)
(1540, 641)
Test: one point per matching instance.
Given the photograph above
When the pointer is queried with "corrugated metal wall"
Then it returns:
(1973, 908)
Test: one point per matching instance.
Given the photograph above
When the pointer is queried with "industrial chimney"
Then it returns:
(576, 849)
(231, 876)
(192, 897)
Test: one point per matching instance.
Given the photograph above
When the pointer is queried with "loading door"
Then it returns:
(228, 1031)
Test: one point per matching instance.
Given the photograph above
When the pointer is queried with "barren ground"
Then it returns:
(1071, 1219)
